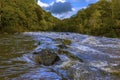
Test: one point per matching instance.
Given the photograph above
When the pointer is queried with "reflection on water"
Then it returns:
(13, 46)
(86, 58)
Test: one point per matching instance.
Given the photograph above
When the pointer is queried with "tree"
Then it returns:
(25, 15)
(96, 19)
(116, 9)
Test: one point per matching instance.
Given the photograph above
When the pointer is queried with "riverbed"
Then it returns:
(85, 58)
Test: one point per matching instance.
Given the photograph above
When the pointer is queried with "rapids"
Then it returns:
(100, 57)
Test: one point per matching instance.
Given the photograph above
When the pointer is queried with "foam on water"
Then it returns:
(91, 40)
(94, 51)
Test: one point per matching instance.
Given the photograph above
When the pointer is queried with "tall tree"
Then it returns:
(116, 12)
(23, 15)
(116, 9)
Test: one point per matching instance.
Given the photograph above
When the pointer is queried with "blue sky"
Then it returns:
(64, 8)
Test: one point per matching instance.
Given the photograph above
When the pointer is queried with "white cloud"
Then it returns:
(59, 7)
(42, 4)
(52, 3)
(76, 0)
(68, 14)
(73, 9)
(62, 15)
(61, 1)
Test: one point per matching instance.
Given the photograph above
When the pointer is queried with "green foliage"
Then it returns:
(99, 19)
(24, 15)
(66, 42)
(116, 14)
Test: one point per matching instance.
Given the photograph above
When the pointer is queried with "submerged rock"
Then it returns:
(46, 57)
(62, 46)
(63, 43)
(70, 55)
(91, 40)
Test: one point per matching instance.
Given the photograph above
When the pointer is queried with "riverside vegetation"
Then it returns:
(59, 55)
(24, 15)
(99, 19)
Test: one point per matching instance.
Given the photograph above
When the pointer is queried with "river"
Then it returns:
(100, 57)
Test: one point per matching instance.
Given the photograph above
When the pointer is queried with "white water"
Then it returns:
(100, 55)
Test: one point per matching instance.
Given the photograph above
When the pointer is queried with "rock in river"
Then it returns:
(46, 57)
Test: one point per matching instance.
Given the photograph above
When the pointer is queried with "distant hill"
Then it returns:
(24, 15)
(99, 19)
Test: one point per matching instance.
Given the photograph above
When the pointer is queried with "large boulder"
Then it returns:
(46, 57)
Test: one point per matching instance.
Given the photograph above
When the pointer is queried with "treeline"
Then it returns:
(24, 15)
(99, 19)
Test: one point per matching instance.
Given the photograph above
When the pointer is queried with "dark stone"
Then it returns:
(70, 55)
(35, 52)
(62, 46)
(67, 34)
(46, 57)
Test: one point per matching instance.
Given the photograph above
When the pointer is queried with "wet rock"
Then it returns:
(62, 46)
(63, 43)
(46, 57)
(5, 33)
(66, 41)
(70, 55)
(67, 33)
(91, 40)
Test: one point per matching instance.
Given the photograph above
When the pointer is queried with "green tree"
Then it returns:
(96, 19)
(24, 15)
(116, 12)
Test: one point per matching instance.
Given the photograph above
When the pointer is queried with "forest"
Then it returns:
(99, 19)
(24, 15)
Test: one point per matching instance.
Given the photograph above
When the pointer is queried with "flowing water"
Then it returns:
(86, 58)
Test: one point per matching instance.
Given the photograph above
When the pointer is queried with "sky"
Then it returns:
(64, 8)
